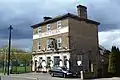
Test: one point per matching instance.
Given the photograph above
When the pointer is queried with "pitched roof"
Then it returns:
(62, 17)
(102, 48)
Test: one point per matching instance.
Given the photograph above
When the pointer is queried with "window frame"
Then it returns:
(39, 44)
(39, 29)
(48, 43)
(48, 61)
(48, 27)
(59, 23)
(59, 41)
(57, 60)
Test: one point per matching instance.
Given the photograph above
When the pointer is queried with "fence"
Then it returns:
(16, 69)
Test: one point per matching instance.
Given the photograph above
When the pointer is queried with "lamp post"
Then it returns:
(10, 28)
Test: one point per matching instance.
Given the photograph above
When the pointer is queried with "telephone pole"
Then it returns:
(10, 28)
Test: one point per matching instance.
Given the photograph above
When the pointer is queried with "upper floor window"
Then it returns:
(49, 44)
(39, 29)
(48, 27)
(59, 24)
(59, 43)
(39, 44)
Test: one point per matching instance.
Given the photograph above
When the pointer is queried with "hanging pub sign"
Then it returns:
(79, 63)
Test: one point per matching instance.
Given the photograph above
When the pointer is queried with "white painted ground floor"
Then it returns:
(43, 62)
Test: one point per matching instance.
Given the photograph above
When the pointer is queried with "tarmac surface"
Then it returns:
(43, 76)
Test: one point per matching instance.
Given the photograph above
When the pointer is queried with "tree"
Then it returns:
(118, 63)
(114, 64)
(17, 56)
(1, 60)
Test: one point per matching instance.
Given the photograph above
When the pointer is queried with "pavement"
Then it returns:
(114, 78)
(43, 76)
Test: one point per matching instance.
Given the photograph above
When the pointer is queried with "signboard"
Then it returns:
(79, 63)
(51, 33)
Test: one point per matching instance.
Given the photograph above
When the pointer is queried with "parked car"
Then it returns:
(60, 71)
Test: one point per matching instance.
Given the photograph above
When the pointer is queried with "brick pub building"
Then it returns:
(64, 40)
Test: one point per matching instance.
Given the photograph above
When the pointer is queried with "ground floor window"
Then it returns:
(56, 60)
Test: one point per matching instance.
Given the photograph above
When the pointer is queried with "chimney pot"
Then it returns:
(46, 18)
(82, 11)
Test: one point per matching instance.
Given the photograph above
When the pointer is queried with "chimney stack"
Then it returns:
(82, 11)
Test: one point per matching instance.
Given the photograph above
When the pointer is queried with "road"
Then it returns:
(36, 76)
(44, 76)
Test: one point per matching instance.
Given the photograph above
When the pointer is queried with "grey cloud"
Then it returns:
(106, 12)
(22, 31)
(21, 14)
(108, 27)
(109, 38)
(24, 44)
(24, 13)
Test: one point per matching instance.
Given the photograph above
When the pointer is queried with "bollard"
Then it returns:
(81, 74)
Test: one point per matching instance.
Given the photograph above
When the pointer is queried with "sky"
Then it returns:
(21, 14)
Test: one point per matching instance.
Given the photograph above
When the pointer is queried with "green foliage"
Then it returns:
(21, 56)
(18, 57)
(20, 69)
(114, 58)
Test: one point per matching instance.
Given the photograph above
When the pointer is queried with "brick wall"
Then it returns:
(83, 39)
